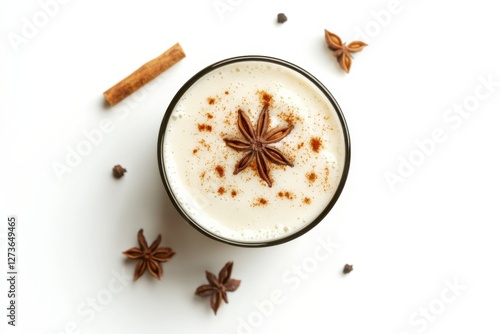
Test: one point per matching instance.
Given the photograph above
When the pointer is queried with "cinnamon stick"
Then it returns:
(144, 74)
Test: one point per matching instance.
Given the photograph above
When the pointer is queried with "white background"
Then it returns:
(435, 227)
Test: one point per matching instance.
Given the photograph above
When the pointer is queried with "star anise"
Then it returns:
(149, 257)
(341, 51)
(218, 287)
(257, 144)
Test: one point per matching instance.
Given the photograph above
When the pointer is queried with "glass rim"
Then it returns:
(186, 86)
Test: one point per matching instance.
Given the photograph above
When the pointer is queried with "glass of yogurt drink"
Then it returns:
(253, 151)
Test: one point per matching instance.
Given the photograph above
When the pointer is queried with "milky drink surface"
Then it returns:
(200, 166)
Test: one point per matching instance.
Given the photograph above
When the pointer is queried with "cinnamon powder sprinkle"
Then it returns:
(210, 100)
(327, 173)
(265, 98)
(286, 194)
(204, 144)
(306, 200)
(261, 202)
(316, 144)
(226, 92)
(220, 170)
(195, 151)
(290, 118)
(234, 193)
(209, 115)
(311, 177)
(221, 191)
(204, 127)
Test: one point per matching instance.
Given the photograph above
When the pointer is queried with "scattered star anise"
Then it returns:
(257, 144)
(218, 287)
(341, 51)
(149, 257)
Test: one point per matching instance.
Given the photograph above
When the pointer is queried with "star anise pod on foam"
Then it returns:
(149, 257)
(341, 51)
(218, 287)
(257, 144)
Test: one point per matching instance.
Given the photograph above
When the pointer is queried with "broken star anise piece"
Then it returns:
(218, 287)
(341, 51)
(149, 257)
(256, 144)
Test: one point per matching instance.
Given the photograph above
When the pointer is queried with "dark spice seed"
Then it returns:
(347, 268)
(118, 171)
(282, 18)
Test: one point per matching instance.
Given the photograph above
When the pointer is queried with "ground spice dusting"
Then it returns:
(210, 100)
(202, 175)
(204, 127)
(306, 200)
(221, 191)
(265, 98)
(195, 151)
(311, 177)
(286, 194)
(290, 118)
(234, 193)
(226, 92)
(261, 202)
(209, 115)
(220, 170)
(204, 144)
(316, 144)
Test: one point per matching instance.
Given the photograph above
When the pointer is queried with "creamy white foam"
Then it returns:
(199, 166)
